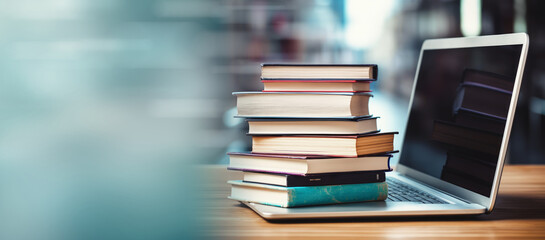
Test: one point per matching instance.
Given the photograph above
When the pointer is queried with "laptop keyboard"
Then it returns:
(401, 192)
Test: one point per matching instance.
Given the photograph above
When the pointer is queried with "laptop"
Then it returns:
(460, 116)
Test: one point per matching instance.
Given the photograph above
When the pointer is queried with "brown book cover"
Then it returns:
(300, 156)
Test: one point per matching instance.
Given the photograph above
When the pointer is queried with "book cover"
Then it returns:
(350, 135)
(313, 85)
(301, 156)
(362, 135)
(316, 85)
(284, 163)
(327, 126)
(305, 93)
(330, 178)
(329, 145)
(323, 80)
(255, 118)
(373, 66)
(317, 195)
(302, 104)
(279, 119)
(318, 64)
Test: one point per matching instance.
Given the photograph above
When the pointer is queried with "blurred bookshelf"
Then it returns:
(169, 66)
(277, 31)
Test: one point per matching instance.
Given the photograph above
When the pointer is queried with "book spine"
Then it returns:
(337, 80)
(335, 179)
(303, 91)
(306, 196)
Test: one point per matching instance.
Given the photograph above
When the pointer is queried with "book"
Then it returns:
(307, 196)
(458, 136)
(330, 145)
(319, 71)
(314, 179)
(290, 104)
(316, 86)
(312, 126)
(483, 99)
(306, 164)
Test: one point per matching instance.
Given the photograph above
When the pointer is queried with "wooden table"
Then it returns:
(519, 212)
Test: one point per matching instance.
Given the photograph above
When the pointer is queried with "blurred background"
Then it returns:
(107, 105)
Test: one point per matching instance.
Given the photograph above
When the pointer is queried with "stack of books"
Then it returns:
(313, 139)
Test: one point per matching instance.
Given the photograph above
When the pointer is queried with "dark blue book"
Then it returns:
(287, 180)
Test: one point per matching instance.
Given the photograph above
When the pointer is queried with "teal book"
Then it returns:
(307, 196)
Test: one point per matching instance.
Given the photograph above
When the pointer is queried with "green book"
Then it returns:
(307, 196)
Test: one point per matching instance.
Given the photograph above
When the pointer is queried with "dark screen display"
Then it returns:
(458, 115)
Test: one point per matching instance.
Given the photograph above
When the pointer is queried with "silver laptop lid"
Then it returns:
(461, 112)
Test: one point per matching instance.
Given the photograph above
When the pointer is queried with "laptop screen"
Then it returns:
(458, 114)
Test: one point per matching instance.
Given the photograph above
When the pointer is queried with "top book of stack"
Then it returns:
(357, 72)
(318, 77)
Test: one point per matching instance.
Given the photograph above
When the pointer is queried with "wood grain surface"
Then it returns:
(519, 213)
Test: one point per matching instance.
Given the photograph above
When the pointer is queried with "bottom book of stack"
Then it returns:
(305, 196)
(298, 180)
